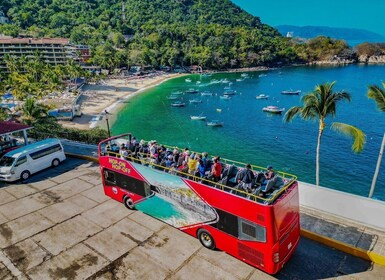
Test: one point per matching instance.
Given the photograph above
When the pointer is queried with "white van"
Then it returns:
(29, 159)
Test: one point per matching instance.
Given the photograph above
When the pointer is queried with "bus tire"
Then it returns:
(129, 203)
(25, 175)
(55, 162)
(206, 239)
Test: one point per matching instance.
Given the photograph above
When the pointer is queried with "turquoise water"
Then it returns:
(250, 135)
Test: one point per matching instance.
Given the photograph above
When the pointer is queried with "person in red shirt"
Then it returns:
(216, 170)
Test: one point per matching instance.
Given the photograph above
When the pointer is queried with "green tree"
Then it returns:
(320, 104)
(33, 112)
(378, 95)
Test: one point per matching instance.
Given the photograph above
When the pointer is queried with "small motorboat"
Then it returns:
(225, 97)
(195, 100)
(192, 91)
(229, 92)
(198, 82)
(219, 110)
(262, 96)
(273, 109)
(188, 80)
(198, 118)
(214, 123)
(290, 92)
(240, 79)
(172, 97)
(206, 93)
(178, 104)
(244, 75)
(176, 93)
(262, 75)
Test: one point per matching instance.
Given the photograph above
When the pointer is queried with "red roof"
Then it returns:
(8, 127)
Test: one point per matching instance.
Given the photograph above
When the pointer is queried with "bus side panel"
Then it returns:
(234, 204)
(257, 254)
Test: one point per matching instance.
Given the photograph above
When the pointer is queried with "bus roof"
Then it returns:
(34, 146)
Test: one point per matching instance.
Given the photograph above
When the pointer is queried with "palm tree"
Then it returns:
(378, 95)
(33, 112)
(319, 104)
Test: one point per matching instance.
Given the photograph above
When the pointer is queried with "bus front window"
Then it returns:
(6, 161)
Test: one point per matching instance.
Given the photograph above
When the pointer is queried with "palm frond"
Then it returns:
(292, 113)
(378, 95)
(359, 137)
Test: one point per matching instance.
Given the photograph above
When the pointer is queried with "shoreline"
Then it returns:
(110, 95)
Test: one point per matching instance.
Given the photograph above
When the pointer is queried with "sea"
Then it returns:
(250, 135)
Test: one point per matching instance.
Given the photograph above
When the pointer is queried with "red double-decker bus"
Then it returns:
(259, 226)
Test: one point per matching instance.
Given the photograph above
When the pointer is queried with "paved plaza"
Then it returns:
(60, 225)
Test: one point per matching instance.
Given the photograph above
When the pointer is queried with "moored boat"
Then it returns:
(187, 80)
(290, 92)
(178, 104)
(192, 91)
(214, 123)
(225, 97)
(172, 97)
(273, 109)
(244, 75)
(206, 93)
(195, 100)
(262, 96)
(176, 93)
(199, 118)
(229, 92)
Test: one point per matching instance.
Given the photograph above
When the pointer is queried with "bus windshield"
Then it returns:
(6, 161)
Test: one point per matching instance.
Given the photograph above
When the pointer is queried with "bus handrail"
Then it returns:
(208, 182)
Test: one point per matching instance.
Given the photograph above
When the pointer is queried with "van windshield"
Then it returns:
(6, 161)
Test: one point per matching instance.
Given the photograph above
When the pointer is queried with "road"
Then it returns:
(60, 225)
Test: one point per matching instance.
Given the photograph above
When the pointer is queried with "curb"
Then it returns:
(89, 158)
(357, 252)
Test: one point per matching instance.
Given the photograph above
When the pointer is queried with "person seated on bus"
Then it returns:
(201, 168)
(192, 164)
(245, 178)
(207, 162)
(262, 177)
(216, 170)
(123, 152)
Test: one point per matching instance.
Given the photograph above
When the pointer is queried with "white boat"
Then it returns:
(244, 75)
(262, 75)
(198, 118)
(188, 80)
(198, 82)
(225, 97)
(214, 123)
(206, 93)
(290, 92)
(273, 109)
(229, 92)
(172, 97)
(176, 93)
(219, 110)
(227, 88)
(240, 79)
(178, 104)
(192, 91)
(225, 81)
(195, 100)
(262, 96)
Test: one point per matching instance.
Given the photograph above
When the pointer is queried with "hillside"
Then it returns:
(210, 33)
(351, 35)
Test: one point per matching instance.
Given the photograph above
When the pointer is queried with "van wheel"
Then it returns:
(129, 203)
(55, 162)
(25, 175)
(206, 239)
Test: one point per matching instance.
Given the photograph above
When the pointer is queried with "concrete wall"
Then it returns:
(360, 209)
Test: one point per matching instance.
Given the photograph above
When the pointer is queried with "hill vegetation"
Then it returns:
(210, 33)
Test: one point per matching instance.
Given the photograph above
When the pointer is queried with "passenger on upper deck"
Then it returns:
(245, 178)
(216, 170)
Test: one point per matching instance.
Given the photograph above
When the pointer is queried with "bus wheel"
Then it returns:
(129, 203)
(206, 239)
(55, 162)
(25, 175)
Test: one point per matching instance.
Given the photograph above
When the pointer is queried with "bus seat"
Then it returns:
(269, 184)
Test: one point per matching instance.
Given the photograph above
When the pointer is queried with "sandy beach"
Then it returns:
(110, 95)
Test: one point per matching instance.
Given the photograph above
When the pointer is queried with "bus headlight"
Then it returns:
(276, 257)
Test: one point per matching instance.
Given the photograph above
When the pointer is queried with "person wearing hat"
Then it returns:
(269, 174)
